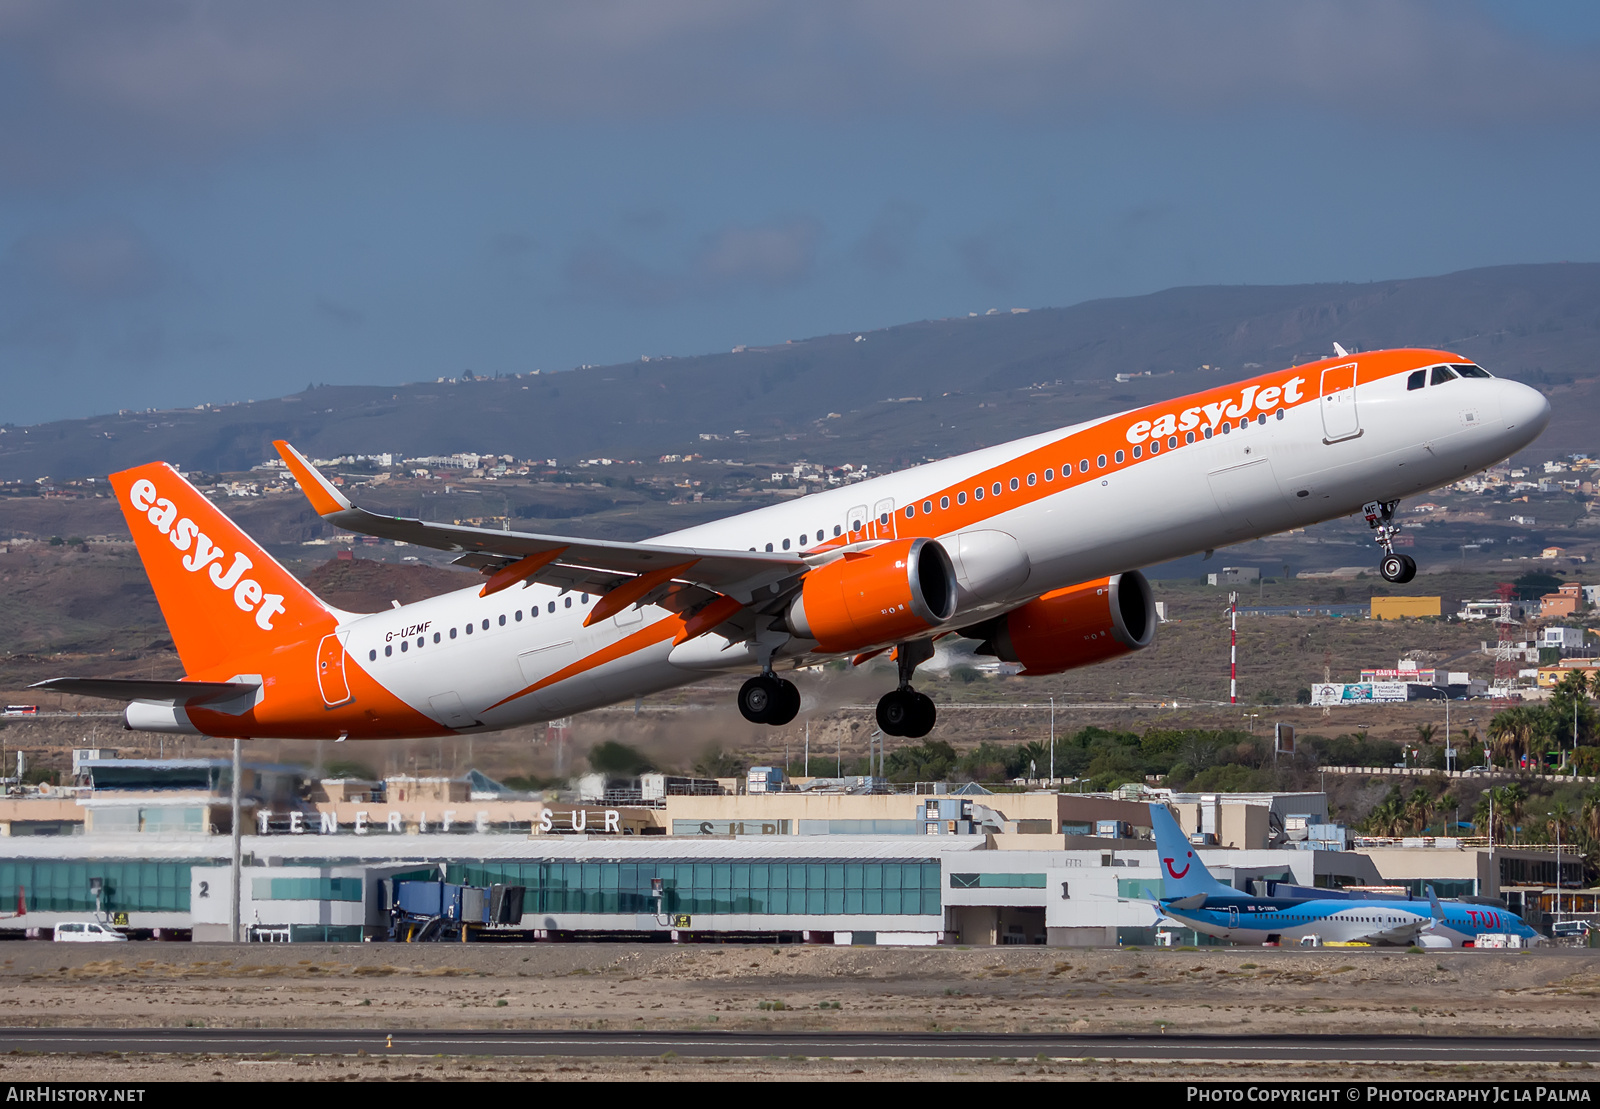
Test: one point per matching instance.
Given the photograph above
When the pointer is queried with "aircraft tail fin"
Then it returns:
(223, 597)
(1183, 874)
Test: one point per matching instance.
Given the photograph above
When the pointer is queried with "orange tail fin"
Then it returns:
(224, 598)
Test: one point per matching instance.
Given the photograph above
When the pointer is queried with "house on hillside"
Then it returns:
(1565, 601)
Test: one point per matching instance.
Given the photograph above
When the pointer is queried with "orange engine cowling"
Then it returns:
(890, 592)
(1072, 627)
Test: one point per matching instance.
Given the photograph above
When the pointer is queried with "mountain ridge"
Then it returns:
(955, 383)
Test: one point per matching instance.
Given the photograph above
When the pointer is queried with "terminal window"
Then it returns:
(997, 881)
(715, 886)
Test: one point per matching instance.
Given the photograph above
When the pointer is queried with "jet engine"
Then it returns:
(1077, 626)
(893, 591)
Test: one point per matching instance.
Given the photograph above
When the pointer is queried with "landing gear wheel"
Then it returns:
(923, 716)
(896, 711)
(905, 712)
(1398, 568)
(788, 705)
(758, 697)
(769, 699)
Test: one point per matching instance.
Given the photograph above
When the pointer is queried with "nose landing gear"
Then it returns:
(1397, 568)
(904, 711)
(769, 699)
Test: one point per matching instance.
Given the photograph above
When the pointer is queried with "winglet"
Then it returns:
(322, 494)
(1433, 904)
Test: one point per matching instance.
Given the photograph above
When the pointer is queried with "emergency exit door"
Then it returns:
(330, 671)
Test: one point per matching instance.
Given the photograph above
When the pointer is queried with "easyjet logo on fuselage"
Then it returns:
(1251, 399)
(205, 555)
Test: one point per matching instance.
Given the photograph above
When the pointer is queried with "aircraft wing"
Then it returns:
(139, 689)
(597, 564)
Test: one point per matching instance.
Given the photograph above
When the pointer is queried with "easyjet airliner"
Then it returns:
(1029, 548)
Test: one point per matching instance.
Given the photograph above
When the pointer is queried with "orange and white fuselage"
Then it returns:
(1018, 521)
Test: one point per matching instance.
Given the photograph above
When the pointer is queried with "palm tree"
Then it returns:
(1589, 818)
(1512, 732)
(1425, 734)
(1389, 816)
(1512, 802)
(1558, 825)
(1419, 809)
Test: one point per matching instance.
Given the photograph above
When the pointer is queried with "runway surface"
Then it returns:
(952, 1045)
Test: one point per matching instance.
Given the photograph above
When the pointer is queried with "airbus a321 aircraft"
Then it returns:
(1029, 547)
(1195, 899)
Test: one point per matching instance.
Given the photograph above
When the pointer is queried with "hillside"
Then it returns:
(925, 389)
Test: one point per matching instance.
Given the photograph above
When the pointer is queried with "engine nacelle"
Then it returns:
(1077, 626)
(890, 592)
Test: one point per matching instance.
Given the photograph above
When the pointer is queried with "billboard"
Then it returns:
(1353, 693)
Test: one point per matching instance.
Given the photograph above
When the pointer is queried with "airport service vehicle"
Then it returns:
(1028, 547)
(1194, 898)
(87, 931)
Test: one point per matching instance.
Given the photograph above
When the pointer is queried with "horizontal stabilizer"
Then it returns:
(160, 692)
(1193, 901)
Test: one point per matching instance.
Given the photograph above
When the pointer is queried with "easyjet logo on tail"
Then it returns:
(1252, 399)
(202, 554)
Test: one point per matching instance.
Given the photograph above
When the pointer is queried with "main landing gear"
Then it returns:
(904, 711)
(1397, 568)
(769, 699)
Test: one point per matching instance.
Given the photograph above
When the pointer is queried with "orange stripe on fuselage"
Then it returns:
(1063, 457)
(292, 707)
(677, 627)
(667, 628)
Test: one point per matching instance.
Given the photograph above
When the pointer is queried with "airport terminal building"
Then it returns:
(838, 863)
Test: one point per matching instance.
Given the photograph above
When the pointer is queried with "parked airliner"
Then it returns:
(1028, 548)
(1191, 896)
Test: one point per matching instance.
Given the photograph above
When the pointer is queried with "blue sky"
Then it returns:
(219, 201)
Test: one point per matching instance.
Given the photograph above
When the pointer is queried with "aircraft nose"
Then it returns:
(1525, 409)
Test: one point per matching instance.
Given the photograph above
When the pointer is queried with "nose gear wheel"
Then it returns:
(1397, 568)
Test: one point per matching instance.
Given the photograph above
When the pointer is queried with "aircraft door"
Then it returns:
(1233, 917)
(330, 671)
(883, 518)
(855, 523)
(1339, 417)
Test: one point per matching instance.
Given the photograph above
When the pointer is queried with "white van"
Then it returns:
(88, 931)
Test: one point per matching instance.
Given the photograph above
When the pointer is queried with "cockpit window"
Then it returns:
(1417, 380)
(1470, 370)
(1442, 374)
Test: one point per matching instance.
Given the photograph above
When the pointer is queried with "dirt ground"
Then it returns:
(486, 986)
(128, 1070)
